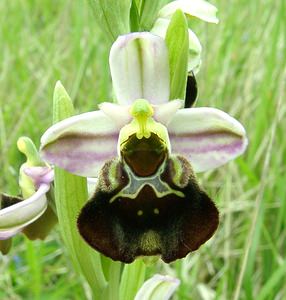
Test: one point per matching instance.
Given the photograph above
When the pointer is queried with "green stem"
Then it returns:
(114, 272)
(132, 279)
(70, 196)
(134, 17)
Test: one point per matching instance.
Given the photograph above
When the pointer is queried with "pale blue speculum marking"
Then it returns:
(137, 183)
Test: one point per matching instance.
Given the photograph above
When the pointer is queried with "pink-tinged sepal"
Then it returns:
(208, 137)
(81, 144)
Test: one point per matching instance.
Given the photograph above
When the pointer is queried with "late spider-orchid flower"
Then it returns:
(19, 214)
(145, 151)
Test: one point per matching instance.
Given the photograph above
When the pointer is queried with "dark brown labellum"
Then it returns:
(170, 224)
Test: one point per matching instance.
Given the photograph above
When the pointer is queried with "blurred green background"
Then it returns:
(243, 72)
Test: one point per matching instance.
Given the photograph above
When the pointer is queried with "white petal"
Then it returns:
(207, 136)
(81, 144)
(118, 113)
(140, 68)
(196, 8)
(160, 27)
(195, 49)
(164, 113)
(158, 287)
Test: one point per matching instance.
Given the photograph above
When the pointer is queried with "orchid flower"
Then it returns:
(145, 152)
(191, 8)
(19, 214)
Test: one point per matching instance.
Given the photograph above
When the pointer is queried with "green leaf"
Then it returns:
(134, 17)
(70, 196)
(275, 279)
(177, 41)
(112, 16)
(148, 13)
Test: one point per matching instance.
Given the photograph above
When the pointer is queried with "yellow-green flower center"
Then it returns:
(142, 112)
(143, 124)
(143, 143)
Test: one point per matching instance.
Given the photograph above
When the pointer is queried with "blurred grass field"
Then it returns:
(243, 72)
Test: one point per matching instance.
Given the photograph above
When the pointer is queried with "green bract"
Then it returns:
(148, 11)
(177, 40)
(112, 16)
(144, 151)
